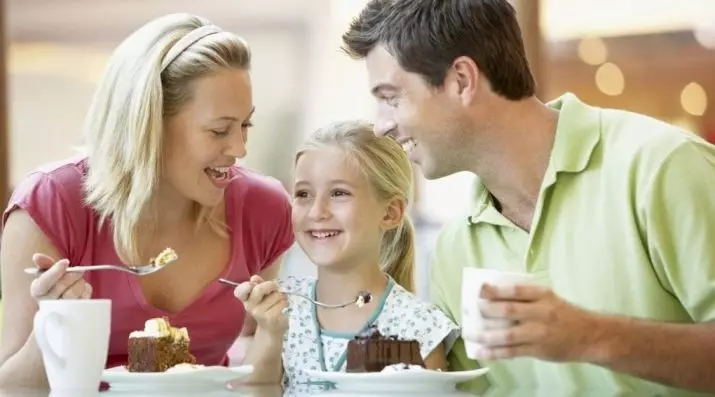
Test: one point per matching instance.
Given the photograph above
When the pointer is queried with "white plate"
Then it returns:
(339, 393)
(400, 381)
(212, 377)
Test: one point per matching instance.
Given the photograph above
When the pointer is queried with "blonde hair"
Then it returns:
(387, 169)
(147, 80)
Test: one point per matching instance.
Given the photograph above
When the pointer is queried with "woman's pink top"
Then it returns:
(258, 217)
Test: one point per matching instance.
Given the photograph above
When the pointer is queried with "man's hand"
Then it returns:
(545, 326)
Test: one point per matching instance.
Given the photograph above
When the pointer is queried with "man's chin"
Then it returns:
(430, 173)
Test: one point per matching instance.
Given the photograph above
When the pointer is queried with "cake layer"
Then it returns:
(374, 355)
(371, 352)
(158, 348)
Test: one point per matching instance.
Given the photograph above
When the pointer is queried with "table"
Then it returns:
(274, 391)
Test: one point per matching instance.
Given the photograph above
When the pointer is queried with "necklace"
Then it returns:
(319, 332)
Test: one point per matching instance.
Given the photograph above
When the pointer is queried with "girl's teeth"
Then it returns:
(324, 234)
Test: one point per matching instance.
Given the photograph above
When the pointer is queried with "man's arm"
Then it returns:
(551, 329)
(680, 355)
(678, 224)
(678, 221)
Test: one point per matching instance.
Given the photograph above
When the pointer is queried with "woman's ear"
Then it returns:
(394, 212)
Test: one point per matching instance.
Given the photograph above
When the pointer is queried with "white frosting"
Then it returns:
(402, 367)
(144, 334)
(152, 328)
(183, 367)
(157, 327)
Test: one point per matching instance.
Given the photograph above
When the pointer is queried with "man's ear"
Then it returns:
(463, 78)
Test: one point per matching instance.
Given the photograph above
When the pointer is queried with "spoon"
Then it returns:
(360, 300)
(161, 261)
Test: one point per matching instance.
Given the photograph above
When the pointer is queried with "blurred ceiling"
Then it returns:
(564, 19)
(110, 20)
(32, 20)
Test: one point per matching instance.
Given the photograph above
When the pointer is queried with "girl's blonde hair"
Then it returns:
(147, 80)
(387, 168)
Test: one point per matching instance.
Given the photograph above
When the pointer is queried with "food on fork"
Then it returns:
(158, 347)
(372, 352)
(166, 256)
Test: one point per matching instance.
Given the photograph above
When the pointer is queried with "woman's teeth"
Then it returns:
(408, 145)
(217, 172)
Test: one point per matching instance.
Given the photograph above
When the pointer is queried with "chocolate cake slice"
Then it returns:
(371, 352)
(158, 347)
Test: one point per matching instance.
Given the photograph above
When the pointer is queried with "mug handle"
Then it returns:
(42, 319)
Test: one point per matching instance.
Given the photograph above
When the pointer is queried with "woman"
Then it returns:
(166, 125)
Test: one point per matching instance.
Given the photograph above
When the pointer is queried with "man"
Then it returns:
(612, 212)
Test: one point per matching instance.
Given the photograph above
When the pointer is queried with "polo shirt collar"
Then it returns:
(578, 132)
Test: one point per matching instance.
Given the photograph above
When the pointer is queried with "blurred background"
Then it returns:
(651, 56)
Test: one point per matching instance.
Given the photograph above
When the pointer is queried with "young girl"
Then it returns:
(351, 195)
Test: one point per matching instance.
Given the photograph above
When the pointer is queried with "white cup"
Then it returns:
(472, 281)
(73, 336)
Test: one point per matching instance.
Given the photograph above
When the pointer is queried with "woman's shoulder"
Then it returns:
(67, 174)
(260, 204)
(52, 195)
(57, 183)
(253, 187)
(258, 214)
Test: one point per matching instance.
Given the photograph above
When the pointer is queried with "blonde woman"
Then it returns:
(166, 125)
(351, 194)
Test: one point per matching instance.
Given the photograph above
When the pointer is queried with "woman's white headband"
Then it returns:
(186, 42)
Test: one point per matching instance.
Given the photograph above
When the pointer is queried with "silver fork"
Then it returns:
(135, 270)
(362, 298)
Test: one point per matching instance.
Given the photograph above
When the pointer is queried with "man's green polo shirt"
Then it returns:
(624, 224)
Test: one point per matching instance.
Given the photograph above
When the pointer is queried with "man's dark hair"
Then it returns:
(426, 36)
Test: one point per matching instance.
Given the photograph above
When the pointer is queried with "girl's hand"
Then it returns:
(265, 303)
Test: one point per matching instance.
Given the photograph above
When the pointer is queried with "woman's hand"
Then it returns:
(57, 282)
(265, 303)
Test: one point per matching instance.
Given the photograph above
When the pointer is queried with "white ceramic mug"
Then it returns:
(73, 336)
(472, 281)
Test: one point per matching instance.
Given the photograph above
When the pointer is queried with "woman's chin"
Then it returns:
(208, 200)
